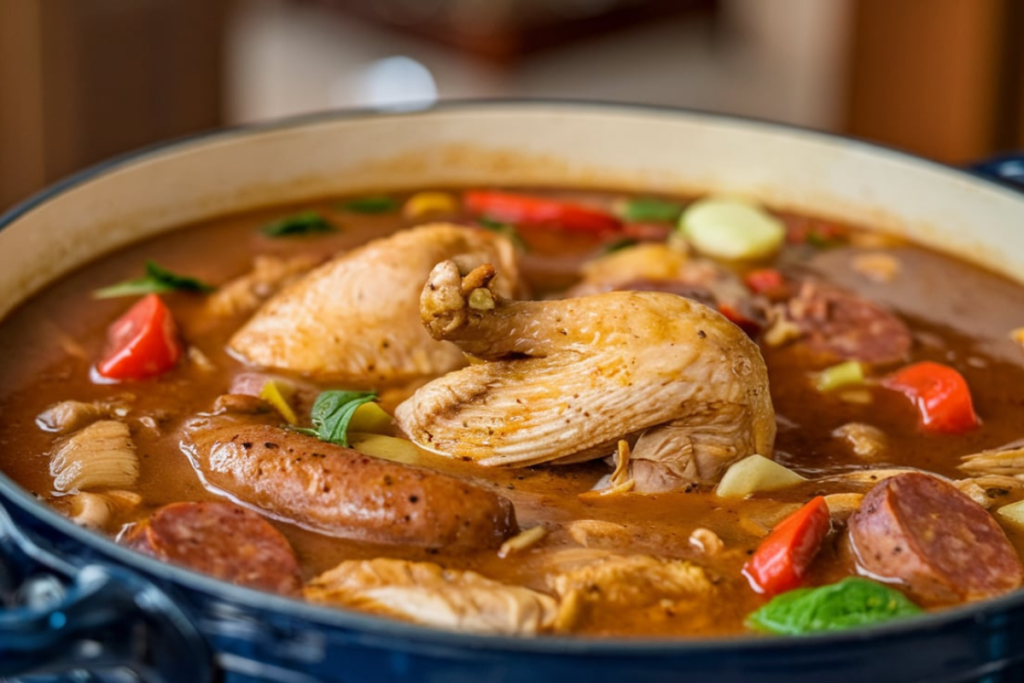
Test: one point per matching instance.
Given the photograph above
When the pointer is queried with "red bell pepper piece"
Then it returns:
(784, 556)
(736, 317)
(941, 395)
(763, 280)
(142, 343)
(525, 210)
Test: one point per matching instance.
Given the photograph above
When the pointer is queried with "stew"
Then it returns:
(528, 411)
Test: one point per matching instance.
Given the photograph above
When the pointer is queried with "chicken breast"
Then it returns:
(564, 381)
(354, 320)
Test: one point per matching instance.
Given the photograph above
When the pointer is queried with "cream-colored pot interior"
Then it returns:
(510, 144)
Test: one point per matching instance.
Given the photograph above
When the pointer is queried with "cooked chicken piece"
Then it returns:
(99, 456)
(97, 510)
(268, 275)
(707, 541)
(354, 319)
(426, 593)
(625, 581)
(68, 416)
(1007, 460)
(988, 490)
(597, 533)
(865, 441)
(661, 268)
(565, 380)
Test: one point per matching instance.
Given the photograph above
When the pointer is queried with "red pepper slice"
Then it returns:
(525, 210)
(142, 343)
(763, 280)
(784, 556)
(736, 317)
(941, 395)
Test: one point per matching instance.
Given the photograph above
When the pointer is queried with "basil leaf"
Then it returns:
(305, 223)
(505, 229)
(651, 210)
(373, 204)
(333, 410)
(155, 281)
(850, 603)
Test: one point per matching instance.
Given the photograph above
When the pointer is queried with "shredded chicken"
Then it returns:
(865, 441)
(101, 455)
(626, 581)
(1008, 461)
(565, 381)
(988, 490)
(268, 275)
(597, 533)
(707, 541)
(842, 505)
(97, 510)
(354, 320)
(426, 593)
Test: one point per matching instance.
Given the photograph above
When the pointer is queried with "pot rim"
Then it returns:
(412, 634)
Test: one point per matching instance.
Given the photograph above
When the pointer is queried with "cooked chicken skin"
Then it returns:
(354, 320)
(565, 380)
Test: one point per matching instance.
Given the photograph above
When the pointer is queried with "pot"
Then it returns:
(76, 599)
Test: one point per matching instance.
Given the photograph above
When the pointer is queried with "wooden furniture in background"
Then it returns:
(82, 80)
(942, 78)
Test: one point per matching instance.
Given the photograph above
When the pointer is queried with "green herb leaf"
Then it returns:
(650, 210)
(372, 204)
(850, 603)
(332, 411)
(509, 231)
(305, 223)
(619, 245)
(155, 281)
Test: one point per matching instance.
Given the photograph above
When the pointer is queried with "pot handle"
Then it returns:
(56, 618)
(1006, 168)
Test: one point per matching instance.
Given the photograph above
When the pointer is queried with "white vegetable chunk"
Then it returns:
(756, 473)
(731, 228)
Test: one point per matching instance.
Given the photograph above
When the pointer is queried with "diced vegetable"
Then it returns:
(656, 210)
(941, 395)
(764, 280)
(1014, 512)
(526, 210)
(619, 245)
(732, 229)
(155, 281)
(142, 343)
(424, 204)
(648, 232)
(785, 555)
(277, 393)
(371, 418)
(305, 223)
(735, 316)
(386, 447)
(850, 603)
(756, 473)
(848, 374)
(380, 203)
(505, 229)
(333, 411)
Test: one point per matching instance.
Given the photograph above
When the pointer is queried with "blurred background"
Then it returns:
(82, 80)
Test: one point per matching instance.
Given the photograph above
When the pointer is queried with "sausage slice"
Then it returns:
(943, 547)
(838, 324)
(341, 492)
(223, 540)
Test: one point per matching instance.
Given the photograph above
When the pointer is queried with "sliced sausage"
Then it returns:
(838, 324)
(342, 492)
(943, 547)
(221, 539)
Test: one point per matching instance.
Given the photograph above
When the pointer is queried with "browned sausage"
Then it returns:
(942, 546)
(340, 491)
(223, 540)
(838, 324)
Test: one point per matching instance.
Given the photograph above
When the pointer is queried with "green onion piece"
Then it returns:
(850, 603)
(305, 223)
(650, 210)
(505, 229)
(332, 412)
(731, 229)
(380, 203)
(848, 374)
(155, 281)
